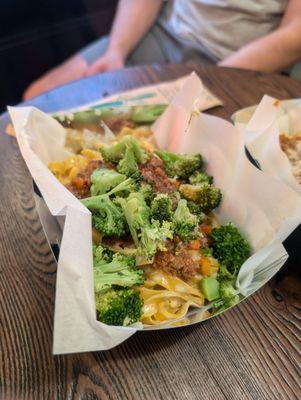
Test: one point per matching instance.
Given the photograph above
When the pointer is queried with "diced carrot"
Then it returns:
(206, 229)
(205, 266)
(78, 182)
(194, 245)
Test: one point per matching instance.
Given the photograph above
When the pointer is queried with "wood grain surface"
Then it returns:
(250, 352)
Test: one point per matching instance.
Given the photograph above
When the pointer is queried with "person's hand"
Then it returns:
(72, 69)
(110, 61)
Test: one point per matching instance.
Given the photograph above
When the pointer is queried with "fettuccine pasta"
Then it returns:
(167, 298)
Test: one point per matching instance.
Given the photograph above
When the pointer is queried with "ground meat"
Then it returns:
(177, 260)
(117, 123)
(116, 242)
(153, 172)
(81, 183)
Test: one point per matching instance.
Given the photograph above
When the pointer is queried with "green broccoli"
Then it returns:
(200, 177)
(185, 224)
(107, 217)
(230, 247)
(205, 195)
(119, 307)
(147, 192)
(101, 254)
(115, 270)
(129, 185)
(105, 179)
(147, 236)
(115, 152)
(153, 238)
(228, 296)
(196, 209)
(136, 212)
(178, 165)
(128, 165)
(161, 208)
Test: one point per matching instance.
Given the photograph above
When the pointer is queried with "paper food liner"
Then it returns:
(261, 127)
(251, 201)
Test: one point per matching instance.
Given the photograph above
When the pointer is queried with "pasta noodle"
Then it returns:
(167, 298)
(66, 170)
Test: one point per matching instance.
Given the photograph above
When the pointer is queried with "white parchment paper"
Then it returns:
(250, 200)
(261, 127)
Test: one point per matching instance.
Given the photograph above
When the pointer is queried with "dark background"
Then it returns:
(36, 35)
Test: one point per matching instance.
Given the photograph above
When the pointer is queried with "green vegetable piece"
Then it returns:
(119, 307)
(147, 235)
(115, 270)
(185, 223)
(230, 247)
(196, 209)
(179, 165)
(116, 152)
(147, 114)
(90, 117)
(153, 238)
(205, 195)
(200, 177)
(147, 192)
(210, 288)
(128, 165)
(161, 208)
(228, 294)
(107, 217)
(105, 179)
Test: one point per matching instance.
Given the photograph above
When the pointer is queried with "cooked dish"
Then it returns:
(159, 252)
(291, 145)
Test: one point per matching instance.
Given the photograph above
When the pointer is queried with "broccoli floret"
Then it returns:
(128, 165)
(101, 254)
(120, 307)
(227, 290)
(116, 152)
(196, 209)
(137, 214)
(107, 217)
(228, 294)
(205, 195)
(147, 236)
(129, 185)
(147, 192)
(200, 177)
(153, 238)
(161, 208)
(179, 165)
(185, 224)
(115, 270)
(230, 247)
(105, 179)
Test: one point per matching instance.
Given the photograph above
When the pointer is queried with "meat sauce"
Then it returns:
(81, 183)
(179, 259)
(154, 173)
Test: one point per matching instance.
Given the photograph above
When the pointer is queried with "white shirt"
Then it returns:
(222, 26)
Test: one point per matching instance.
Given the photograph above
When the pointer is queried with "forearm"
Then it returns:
(133, 19)
(273, 52)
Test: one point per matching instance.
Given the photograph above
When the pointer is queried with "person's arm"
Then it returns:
(133, 19)
(275, 51)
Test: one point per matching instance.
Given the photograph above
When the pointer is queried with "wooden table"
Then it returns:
(250, 352)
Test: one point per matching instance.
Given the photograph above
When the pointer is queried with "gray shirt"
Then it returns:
(222, 26)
